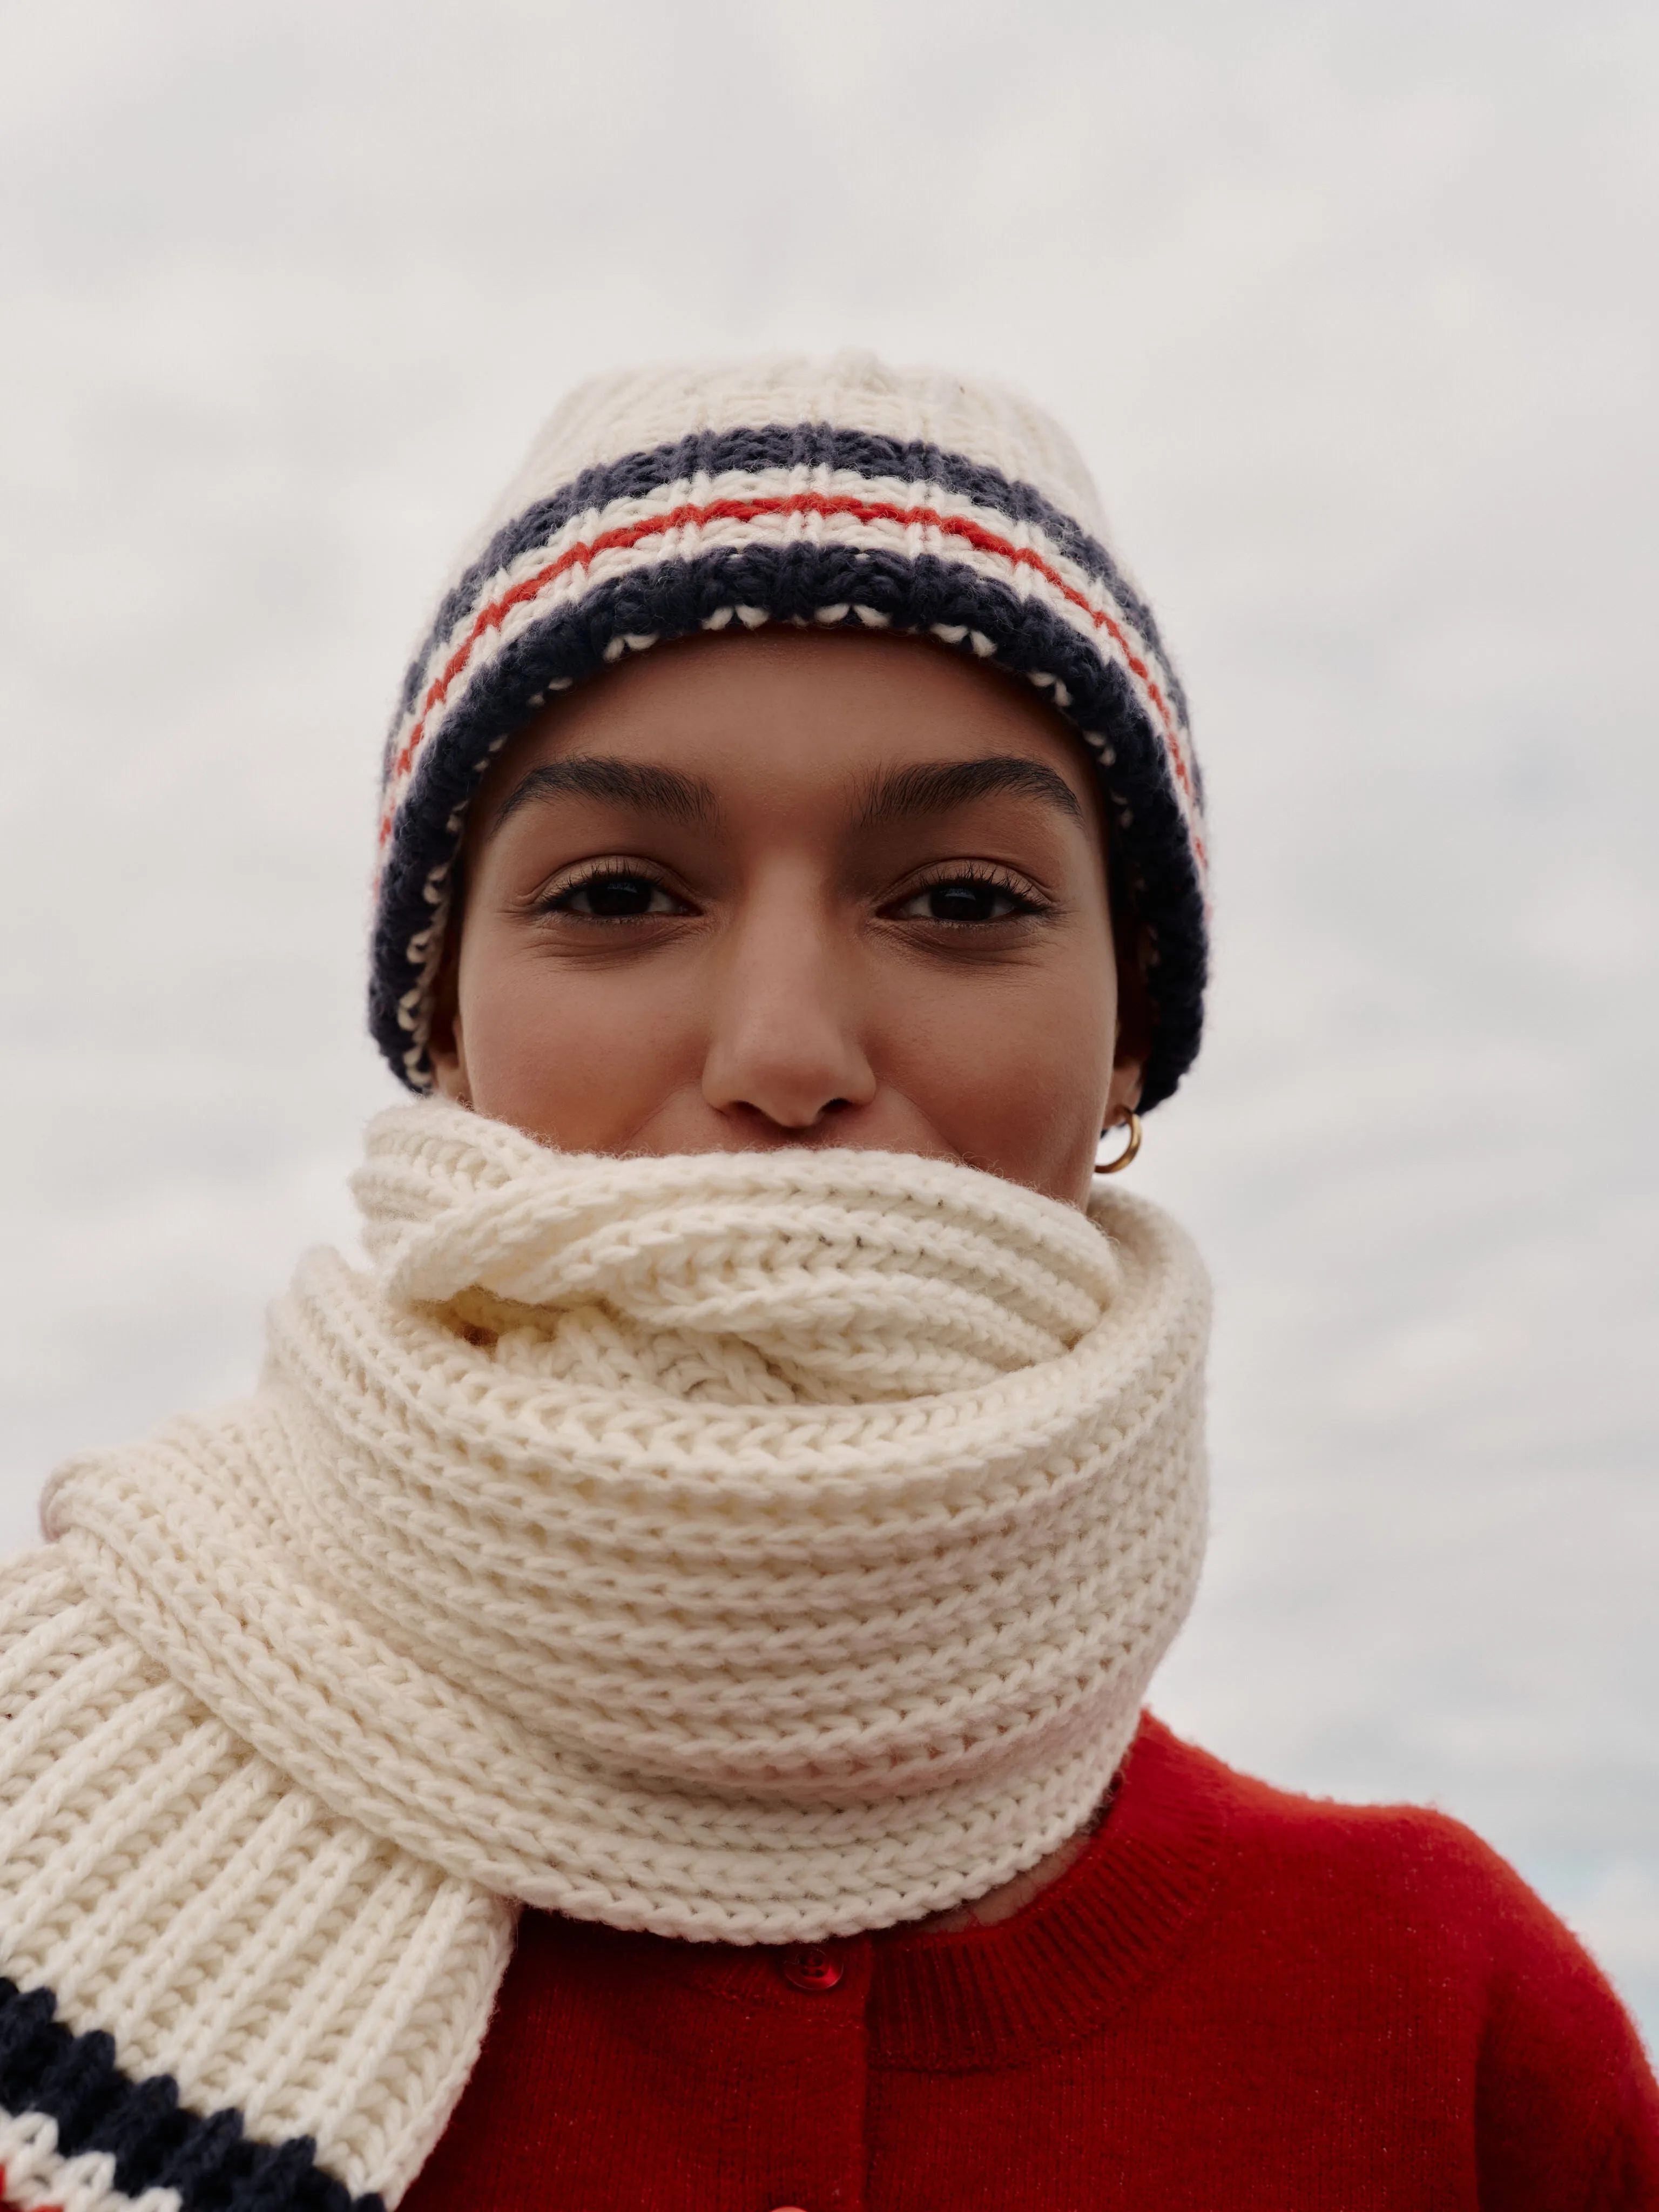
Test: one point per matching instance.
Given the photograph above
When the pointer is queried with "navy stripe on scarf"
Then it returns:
(155, 2142)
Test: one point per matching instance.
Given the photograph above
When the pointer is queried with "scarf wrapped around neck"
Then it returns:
(754, 1547)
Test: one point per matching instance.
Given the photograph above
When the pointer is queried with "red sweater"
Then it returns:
(1235, 1998)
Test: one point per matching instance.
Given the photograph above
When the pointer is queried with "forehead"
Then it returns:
(791, 713)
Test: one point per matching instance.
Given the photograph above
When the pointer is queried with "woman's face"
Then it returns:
(781, 887)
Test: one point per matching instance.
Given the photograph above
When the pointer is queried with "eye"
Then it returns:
(964, 898)
(615, 894)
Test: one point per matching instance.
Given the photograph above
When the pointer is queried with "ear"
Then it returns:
(1135, 1024)
(446, 1048)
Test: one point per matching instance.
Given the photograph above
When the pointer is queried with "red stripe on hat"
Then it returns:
(748, 510)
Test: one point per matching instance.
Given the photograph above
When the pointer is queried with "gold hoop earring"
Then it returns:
(1117, 1166)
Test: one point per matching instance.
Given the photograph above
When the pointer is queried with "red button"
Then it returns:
(810, 1969)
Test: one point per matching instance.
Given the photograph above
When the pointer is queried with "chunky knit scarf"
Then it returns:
(753, 1546)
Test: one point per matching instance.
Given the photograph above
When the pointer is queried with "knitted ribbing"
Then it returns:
(167, 1887)
(752, 1546)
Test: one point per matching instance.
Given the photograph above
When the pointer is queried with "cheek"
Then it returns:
(577, 1060)
(1013, 1070)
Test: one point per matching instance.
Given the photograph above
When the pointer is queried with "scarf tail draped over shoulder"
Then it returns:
(751, 1547)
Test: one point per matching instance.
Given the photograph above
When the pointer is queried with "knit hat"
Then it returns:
(660, 502)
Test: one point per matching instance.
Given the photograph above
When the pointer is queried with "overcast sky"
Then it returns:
(1352, 309)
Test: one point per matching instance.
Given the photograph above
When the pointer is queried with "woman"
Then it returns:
(643, 1707)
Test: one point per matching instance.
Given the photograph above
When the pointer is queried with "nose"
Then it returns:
(784, 1053)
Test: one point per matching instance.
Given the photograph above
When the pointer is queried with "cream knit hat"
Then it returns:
(665, 500)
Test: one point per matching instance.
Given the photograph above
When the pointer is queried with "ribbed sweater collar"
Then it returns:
(1056, 1972)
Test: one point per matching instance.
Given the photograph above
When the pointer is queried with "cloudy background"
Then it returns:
(1353, 310)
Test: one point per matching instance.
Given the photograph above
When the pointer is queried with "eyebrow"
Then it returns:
(638, 784)
(900, 794)
(938, 787)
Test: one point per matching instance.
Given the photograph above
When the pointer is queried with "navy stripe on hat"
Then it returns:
(776, 445)
(676, 597)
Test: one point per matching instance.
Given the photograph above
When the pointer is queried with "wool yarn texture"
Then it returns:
(754, 1547)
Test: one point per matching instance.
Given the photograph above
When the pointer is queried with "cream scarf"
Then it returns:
(752, 1546)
